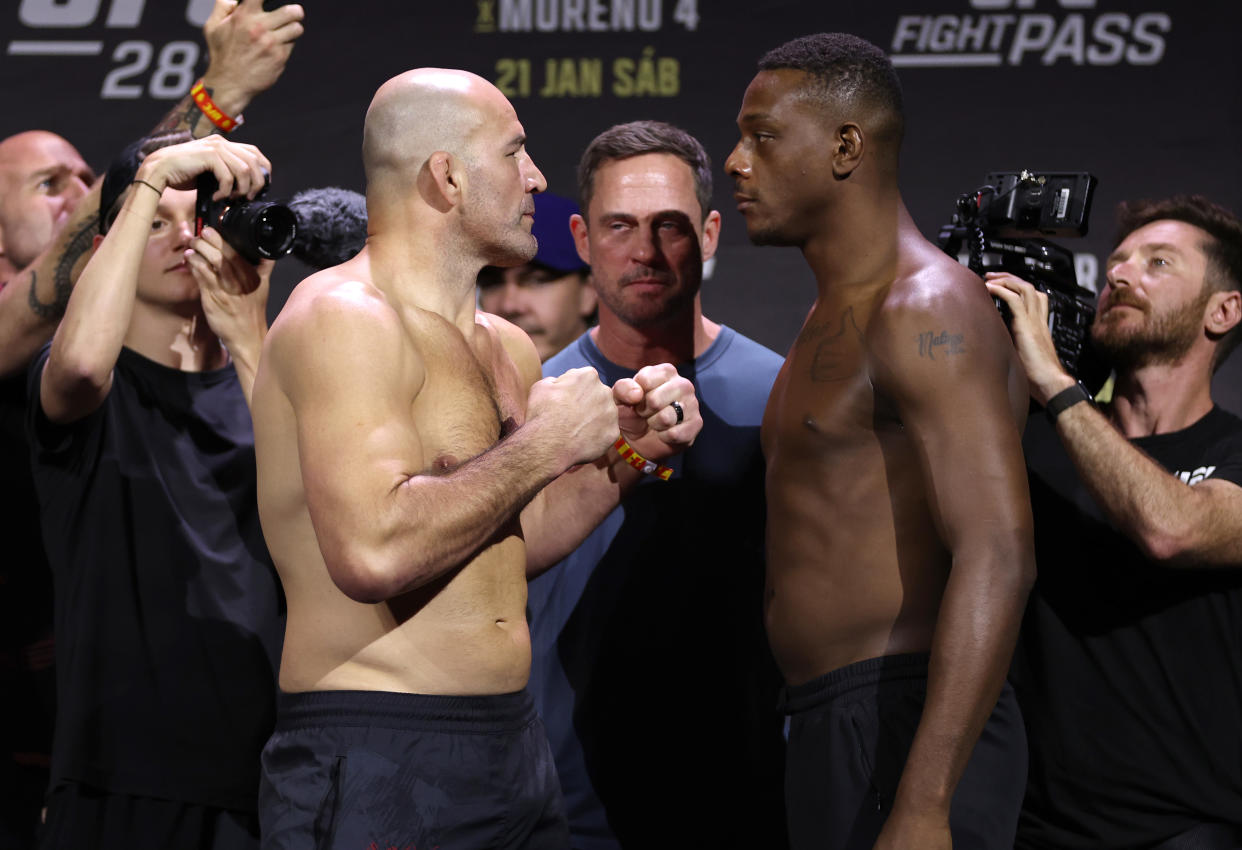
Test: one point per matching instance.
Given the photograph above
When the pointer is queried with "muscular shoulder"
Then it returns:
(332, 322)
(936, 322)
(939, 306)
(515, 343)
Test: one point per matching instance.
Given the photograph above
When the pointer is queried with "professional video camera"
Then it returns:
(256, 229)
(1000, 223)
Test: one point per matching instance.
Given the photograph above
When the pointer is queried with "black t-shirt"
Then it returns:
(169, 614)
(1129, 673)
(25, 584)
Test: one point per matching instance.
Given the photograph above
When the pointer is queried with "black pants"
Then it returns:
(360, 769)
(850, 732)
(80, 817)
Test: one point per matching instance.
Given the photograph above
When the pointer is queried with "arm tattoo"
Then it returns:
(947, 343)
(62, 279)
(184, 116)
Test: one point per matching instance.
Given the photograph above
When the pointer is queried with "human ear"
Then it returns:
(848, 145)
(578, 227)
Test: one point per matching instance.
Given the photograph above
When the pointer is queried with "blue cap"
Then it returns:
(551, 229)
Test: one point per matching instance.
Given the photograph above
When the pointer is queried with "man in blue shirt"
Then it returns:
(650, 667)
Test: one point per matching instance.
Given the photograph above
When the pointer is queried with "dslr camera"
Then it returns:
(257, 230)
(1001, 224)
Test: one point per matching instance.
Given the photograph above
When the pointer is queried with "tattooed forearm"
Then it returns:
(184, 116)
(943, 343)
(62, 279)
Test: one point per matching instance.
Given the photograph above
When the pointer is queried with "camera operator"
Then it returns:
(168, 612)
(1129, 669)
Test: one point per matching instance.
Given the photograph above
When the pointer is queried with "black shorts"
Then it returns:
(80, 816)
(849, 734)
(360, 769)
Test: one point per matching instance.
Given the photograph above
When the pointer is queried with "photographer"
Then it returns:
(1129, 668)
(168, 612)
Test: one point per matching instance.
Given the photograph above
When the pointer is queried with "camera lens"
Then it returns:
(273, 231)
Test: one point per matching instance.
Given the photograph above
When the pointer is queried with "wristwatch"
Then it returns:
(1065, 399)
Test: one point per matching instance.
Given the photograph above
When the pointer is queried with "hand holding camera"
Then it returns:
(239, 169)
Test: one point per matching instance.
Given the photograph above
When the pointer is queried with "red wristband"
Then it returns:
(208, 106)
(639, 462)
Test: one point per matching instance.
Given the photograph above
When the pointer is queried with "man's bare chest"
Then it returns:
(466, 405)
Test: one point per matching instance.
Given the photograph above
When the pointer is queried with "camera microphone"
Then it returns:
(332, 225)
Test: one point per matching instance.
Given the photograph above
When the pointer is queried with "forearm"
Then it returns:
(429, 524)
(187, 116)
(569, 508)
(977, 627)
(89, 339)
(245, 356)
(1139, 497)
(33, 302)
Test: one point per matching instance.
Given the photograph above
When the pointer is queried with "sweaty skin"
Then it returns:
(405, 443)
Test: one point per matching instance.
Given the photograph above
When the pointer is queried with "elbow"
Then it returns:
(370, 575)
(76, 377)
(363, 577)
(1169, 544)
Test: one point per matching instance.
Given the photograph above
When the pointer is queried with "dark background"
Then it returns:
(1146, 95)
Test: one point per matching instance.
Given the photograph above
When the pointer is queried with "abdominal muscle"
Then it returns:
(843, 584)
(464, 633)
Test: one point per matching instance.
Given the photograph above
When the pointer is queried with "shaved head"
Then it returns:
(445, 148)
(417, 113)
(42, 177)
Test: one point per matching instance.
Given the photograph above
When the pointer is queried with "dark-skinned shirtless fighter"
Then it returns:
(899, 526)
(412, 467)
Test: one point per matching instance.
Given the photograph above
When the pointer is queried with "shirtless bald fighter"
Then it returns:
(899, 527)
(410, 469)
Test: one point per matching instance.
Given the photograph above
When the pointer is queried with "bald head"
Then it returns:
(42, 178)
(417, 113)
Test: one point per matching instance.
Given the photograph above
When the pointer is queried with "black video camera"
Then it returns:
(256, 229)
(1000, 222)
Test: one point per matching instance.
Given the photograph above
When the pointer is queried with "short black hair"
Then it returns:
(636, 138)
(845, 68)
(1223, 249)
(123, 169)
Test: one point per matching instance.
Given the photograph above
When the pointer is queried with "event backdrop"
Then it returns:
(1145, 94)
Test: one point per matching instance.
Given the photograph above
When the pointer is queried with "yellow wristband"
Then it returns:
(208, 106)
(634, 459)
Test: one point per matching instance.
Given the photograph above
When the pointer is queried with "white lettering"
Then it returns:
(1033, 34)
(1070, 41)
(971, 35)
(546, 15)
(1143, 26)
(649, 15)
(125, 13)
(944, 33)
(595, 16)
(1103, 32)
(197, 13)
(50, 13)
(623, 14)
(515, 15)
(908, 29)
(573, 15)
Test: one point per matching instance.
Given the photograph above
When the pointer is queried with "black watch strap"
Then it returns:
(1065, 399)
